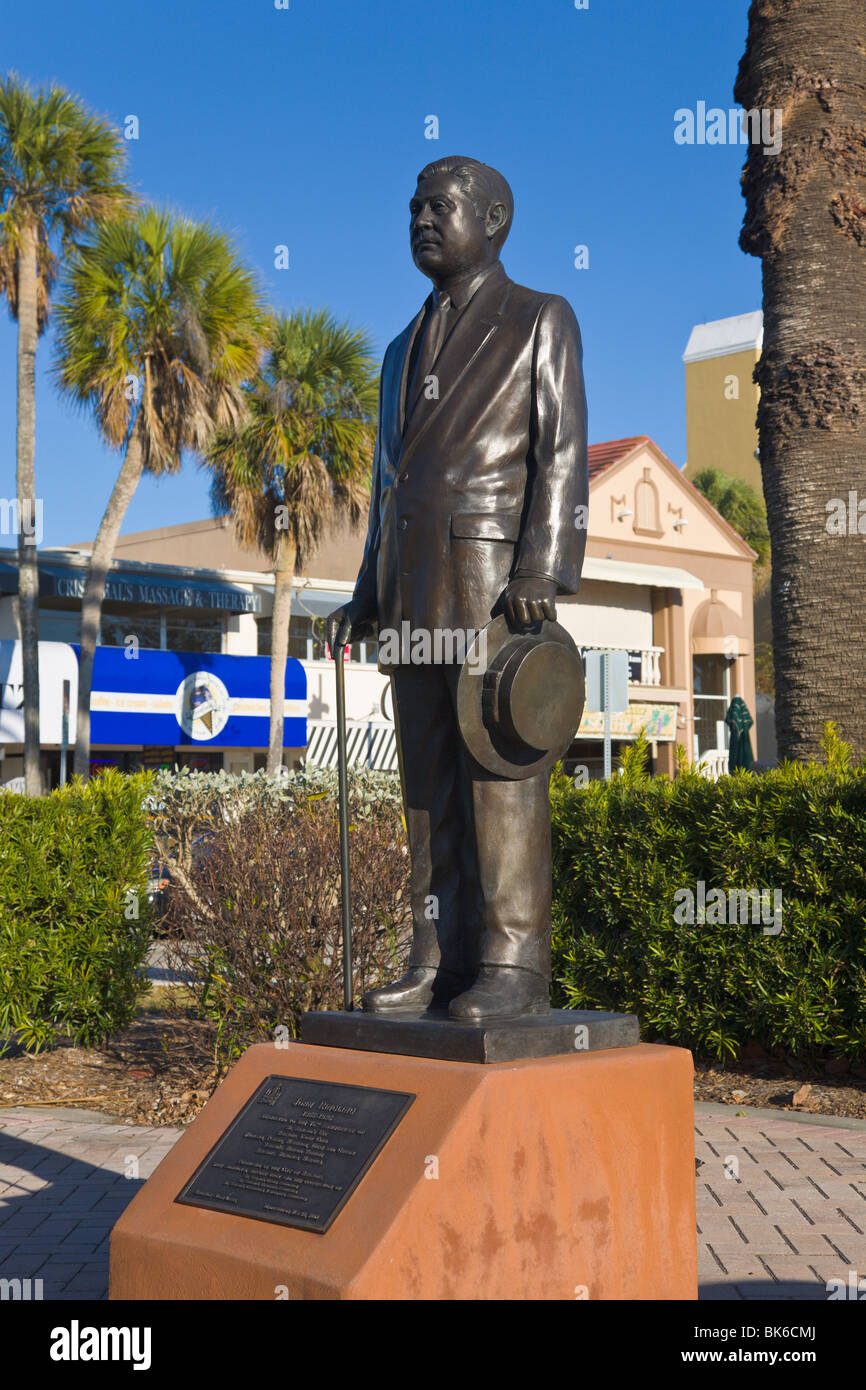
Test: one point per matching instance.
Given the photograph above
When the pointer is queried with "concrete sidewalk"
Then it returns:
(781, 1203)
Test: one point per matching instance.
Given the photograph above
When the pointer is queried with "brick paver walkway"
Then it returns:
(781, 1203)
(781, 1206)
(64, 1180)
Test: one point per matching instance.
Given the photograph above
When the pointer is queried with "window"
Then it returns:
(712, 695)
(367, 653)
(174, 630)
(193, 632)
(122, 621)
(155, 629)
(307, 641)
(59, 625)
(646, 507)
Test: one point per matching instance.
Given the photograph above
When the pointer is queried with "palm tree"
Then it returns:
(159, 325)
(742, 506)
(60, 168)
(806, 219)
(302, 458)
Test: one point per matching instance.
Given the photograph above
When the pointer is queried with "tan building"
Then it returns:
(722, 398)
(665, 579)
(721, 429)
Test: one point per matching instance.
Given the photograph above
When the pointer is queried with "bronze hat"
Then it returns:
(520, 702)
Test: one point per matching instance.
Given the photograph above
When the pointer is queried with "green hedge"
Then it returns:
(74, 867)
(624, 852)
(74, 916)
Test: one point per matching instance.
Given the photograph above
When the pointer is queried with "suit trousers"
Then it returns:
(480, 875)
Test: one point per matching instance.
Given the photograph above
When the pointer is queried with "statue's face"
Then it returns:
(448, 238)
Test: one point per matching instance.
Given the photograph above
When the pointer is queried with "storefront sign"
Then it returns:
(659, 722)
(191, 698)
(127, 586)
(57, 663)
(176, 593)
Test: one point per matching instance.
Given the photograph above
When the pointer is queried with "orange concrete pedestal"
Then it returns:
(560, 1178)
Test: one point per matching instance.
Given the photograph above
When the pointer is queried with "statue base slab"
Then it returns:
(547, 1178)
(431, 1033)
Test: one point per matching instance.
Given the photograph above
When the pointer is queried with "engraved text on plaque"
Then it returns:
(296, 1151)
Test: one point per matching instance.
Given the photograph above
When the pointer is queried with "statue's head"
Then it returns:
(460, 216)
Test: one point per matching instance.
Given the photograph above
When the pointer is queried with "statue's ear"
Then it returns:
(497, 216)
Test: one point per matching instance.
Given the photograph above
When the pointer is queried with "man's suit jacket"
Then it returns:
(486, 481)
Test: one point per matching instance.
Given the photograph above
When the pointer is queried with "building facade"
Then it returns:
(665, 578)
(721, 427)
(722, 397)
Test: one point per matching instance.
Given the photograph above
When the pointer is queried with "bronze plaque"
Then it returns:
(296, 1152)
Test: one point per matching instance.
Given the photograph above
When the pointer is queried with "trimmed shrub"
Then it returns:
(629, 858)
(74, 917)
(253, 901)
(187, 809)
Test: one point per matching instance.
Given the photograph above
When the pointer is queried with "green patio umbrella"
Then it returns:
(739, 721)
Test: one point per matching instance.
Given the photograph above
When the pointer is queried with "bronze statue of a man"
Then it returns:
(478, 509)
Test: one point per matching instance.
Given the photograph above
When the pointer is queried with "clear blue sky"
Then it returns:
(305, 127)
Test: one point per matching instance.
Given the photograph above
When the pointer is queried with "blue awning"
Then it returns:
(204, 699)
(130, 586)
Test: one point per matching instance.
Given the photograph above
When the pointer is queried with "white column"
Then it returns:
(240, 635)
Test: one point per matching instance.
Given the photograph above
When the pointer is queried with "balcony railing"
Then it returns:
(644, 665)
(713, 764)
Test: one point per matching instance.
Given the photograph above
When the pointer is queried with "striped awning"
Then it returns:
(367, 745)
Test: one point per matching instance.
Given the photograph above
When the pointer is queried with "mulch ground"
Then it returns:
(831, 1089)
(160, 1071)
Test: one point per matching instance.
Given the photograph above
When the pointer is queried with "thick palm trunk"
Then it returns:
(28, 570)
(285, 569)
(94, 589)
(806, 218)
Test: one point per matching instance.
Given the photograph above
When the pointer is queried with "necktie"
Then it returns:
(437, 331)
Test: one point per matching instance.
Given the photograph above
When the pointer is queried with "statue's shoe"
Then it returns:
(420, 987)
(502, 992)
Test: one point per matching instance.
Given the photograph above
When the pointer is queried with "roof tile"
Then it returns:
(603, 456)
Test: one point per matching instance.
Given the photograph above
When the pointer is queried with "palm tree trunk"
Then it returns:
(28, 570)
(283, 575)
(806, 219)
(94, 589)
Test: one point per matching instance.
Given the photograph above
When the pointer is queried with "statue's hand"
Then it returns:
(527, 601)
(347, 624)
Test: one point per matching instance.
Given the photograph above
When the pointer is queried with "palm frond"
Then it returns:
(61, 169)
(304, 451)
(158, 315)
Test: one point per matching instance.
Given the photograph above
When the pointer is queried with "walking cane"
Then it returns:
(343, 781)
